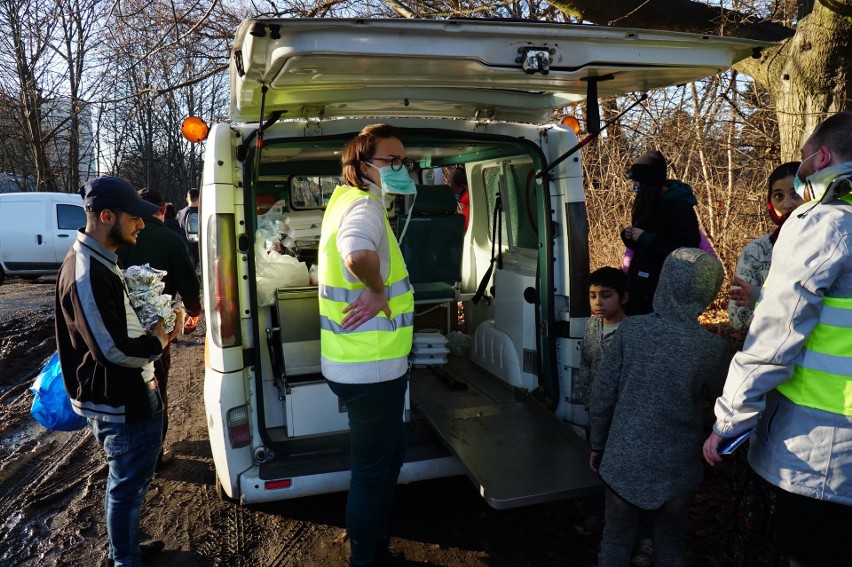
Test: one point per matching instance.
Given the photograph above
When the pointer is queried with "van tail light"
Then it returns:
(238, 427)
(223, 295)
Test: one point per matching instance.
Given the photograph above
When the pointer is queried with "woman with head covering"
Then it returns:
(663, 220)
(753, 263)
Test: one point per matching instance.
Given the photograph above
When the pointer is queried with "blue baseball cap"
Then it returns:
(115, 193)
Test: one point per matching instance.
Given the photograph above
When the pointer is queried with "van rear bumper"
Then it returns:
(253, 488)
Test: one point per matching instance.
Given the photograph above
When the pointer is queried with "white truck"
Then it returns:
(475, 93)
(36, 232)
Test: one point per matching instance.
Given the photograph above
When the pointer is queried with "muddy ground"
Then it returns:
(52, 485)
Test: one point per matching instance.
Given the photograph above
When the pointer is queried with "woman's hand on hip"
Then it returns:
(368, 305)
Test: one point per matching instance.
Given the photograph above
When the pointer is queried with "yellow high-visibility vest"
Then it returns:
(823, 380)
(380, 338)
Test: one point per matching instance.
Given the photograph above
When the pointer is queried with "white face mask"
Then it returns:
(394, 184)
(799, 185)
(395, 181)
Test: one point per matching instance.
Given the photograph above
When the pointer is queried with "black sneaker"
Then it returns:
(387, 557)
(148, 549)
(166, 457)
(151, 548)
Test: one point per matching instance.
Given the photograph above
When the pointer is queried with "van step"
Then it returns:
(516, 452)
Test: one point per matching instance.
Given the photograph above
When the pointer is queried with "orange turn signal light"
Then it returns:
(194, 129)
(572, 123)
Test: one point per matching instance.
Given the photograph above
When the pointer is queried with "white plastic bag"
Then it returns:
(276, 270)
(273, 230)
(459, 343)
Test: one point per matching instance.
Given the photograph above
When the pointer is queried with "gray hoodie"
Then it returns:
(646, 402)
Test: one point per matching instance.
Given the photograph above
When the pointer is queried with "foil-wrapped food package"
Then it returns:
(145, 288)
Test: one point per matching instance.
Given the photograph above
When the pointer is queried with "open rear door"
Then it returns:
(507, 71)
(512, 449)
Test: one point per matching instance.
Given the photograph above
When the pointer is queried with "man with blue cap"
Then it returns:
(107, 358)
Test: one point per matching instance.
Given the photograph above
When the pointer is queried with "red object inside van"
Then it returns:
(263, 203)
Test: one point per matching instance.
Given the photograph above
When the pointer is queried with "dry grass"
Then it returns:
(708, 147)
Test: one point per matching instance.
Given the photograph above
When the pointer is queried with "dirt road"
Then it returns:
(52, 485)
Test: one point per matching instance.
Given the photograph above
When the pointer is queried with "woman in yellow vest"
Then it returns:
(366, 317)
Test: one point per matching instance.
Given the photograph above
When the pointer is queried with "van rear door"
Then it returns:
(507, 71)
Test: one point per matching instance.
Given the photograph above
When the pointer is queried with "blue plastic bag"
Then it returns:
(51, 406)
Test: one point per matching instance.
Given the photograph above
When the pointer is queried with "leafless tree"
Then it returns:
(26, 64)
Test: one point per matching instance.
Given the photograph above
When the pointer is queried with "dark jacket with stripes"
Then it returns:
(102, 365)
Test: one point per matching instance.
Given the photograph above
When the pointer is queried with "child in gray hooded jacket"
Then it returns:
(646, 409)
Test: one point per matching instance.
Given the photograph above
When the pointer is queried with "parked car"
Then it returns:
(36, 232)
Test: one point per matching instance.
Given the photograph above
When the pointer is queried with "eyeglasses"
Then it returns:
(396, 163)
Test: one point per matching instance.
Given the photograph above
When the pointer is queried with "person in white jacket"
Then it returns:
(792, 381)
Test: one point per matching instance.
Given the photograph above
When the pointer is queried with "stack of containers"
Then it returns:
(429, 348)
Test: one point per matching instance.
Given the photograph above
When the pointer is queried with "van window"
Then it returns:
(491, 182)
(523, 208)
(312, 192)
(70, 217)
(518, 229)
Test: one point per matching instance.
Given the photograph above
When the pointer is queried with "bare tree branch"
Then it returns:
(400, 9)
(674, 15)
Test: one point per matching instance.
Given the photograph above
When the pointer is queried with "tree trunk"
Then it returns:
(808, 76)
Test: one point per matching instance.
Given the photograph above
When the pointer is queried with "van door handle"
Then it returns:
(62, 235)
(38, 239)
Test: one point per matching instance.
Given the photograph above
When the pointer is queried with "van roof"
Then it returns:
(41, 195)
(503, 70)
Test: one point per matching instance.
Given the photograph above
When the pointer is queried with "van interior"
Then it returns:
(482, 396)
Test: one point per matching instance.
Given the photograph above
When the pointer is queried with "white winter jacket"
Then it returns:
(799, 449)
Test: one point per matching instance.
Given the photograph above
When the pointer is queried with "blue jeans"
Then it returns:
(378, 442)
(131, 450)
(620, 532)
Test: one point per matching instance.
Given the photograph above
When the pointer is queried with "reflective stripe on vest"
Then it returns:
(823, 380)
(380, 338)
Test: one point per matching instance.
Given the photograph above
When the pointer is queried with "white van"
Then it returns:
(475, 93)
(36, 232)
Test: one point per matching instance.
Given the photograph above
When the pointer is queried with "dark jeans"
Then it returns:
(378, 437)
(131, 450)
(620, 532)
(813, 532)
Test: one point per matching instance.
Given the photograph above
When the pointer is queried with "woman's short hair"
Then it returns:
(362, 148)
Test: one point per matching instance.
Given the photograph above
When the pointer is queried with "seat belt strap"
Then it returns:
(496, 256)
